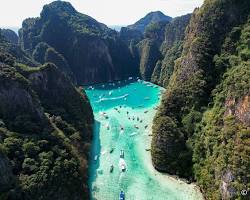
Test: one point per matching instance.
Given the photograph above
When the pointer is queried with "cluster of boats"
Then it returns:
(122, 163)
(137, 120)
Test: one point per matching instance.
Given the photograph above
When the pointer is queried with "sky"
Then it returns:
(110, 12)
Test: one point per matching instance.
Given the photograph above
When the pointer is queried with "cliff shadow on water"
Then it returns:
(95, 151)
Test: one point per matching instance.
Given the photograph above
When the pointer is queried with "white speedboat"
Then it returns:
(122, 165)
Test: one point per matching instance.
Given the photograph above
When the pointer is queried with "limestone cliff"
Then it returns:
(94, 52)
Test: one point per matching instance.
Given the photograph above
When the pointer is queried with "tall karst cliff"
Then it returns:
(201, 130)
(89, 50)
(45, 130)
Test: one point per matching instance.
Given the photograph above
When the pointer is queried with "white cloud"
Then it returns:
(111, 12)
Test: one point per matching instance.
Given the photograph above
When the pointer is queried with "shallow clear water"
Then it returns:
(118, 108)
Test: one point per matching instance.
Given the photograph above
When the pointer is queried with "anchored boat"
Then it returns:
(121, 154)
(122, 195)
(111, 168)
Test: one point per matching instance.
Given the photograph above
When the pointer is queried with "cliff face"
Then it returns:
(204, 107)
(59, 97)
(10, 36)
(45, 131)
(94, 52)
(18, 103)
(171, 49)
(160, 47)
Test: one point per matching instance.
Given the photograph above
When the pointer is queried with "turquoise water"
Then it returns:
(123, 117)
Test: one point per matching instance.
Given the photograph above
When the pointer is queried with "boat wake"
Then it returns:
(113, 98)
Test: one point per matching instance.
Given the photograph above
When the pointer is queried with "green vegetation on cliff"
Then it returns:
(171, 49)
(150, 18)
(87, 50)
(207, 101)
(45, 131)
(222, 139)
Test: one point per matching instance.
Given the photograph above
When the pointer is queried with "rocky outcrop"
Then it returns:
(150, 18)
(240, 109)
(10, 36)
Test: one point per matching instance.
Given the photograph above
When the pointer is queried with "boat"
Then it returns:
(122, 165)
(130, 78)
(121, 154)
(146, 127)
(136, 126)
(148, 149)
(107, 126)
(111, 150)
(111, 168)
(110, 93)
(146, 98)
(122, 195)
(96, 157)
(145, 111)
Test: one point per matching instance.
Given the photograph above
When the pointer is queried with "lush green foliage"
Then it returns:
(221, 142)
(45, 130)
(166, 149)
(213, 59)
